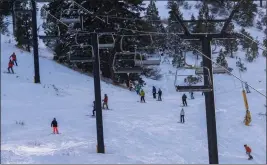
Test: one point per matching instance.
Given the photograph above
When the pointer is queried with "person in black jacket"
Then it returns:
(54, 125)
(184, 97)
(154, 92)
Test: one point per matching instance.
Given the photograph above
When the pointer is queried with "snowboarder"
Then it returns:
(248, 151)
(54, 125)
(184, 97)
(13, 58)
(182, 116)
(192, 95)
(142, 94)
(10, 66)
(247, 88)
(105, 101)
(159, 95)
(93, 108)
(154, 92)
(130, 85)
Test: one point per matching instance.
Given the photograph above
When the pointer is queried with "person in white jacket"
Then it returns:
(182, 116)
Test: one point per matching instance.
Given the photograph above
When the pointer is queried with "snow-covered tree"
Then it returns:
(221, 59)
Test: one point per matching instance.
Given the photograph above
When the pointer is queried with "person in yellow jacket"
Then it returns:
(142, 94)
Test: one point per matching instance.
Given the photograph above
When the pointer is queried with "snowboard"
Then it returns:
(250, 158)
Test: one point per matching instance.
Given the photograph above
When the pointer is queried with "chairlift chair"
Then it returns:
(155, 60)
(138, 35)
(215, 70)
(69, 16)
(83, 37)
(194, 88)
(50, 37)
(83, 54)
(119, 65)
(106, 41)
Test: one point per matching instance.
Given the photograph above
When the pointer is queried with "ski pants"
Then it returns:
(15, 61)
(182, 118)
(94, 112)
(159, 98)
(143, 98)
(11, 69)
(154, 95)
(55, 130)
(184, 103)
(249, 155)
(105, 104)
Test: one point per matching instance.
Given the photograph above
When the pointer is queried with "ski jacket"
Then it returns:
(184, 97)
(142, 93)
(13, 57)
(182, 112)
(248, 149)
(160, 92)
(154, 90)
(105, 99)
(10, 64)
(54, 123)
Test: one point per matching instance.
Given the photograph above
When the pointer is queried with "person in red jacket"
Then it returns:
(248, 151)
(105, 101)
(10, 66)
(13, 57)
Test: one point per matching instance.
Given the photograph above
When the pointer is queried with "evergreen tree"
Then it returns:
(153, 19)
(3, 25)
(252, 52)
(221, 59)
(23, 33)
(264, 53)
(241, 65)
(246, 14)
(231, 45)
(244, 41)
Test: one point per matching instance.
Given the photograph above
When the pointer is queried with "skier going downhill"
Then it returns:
(248, 152)
(159, 95)
(142, 94)
(182, 116)
(192, 95)
(105, 101)
(13, 58)
(10, 66)
(184, 97)
(54, 125)
(154, 92)
(94, 108)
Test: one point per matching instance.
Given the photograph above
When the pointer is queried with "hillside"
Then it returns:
(134, 132)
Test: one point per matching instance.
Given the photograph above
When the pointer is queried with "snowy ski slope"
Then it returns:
(133, 132)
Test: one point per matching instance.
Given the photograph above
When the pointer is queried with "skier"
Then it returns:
(137, 88)
(105, 101)
(159, 95)
(248, 151)
(13, 57)
(130, 85)
(184, 97)
(154, 92)
(54, 125)
(247, 88)
(94, 108)
(142, 94)
(10, 66)
(182, 116)
(192, 95)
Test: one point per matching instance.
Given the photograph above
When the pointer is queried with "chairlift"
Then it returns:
(125, 62)
(69, 16)
(81, 53)
(149, 60)
(138, 35)
(49, 37)
(215, 70)
(106, 41)
(194, 88)
(83, 37)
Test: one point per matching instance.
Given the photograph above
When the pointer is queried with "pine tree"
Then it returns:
(153, 19)
(246, 14)
(23, 33)
(241, 65)
(244, 41)
(178, 60)
(253, 52)
(221, 59)
(231, 45)
(3, 25)
(264, 53)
